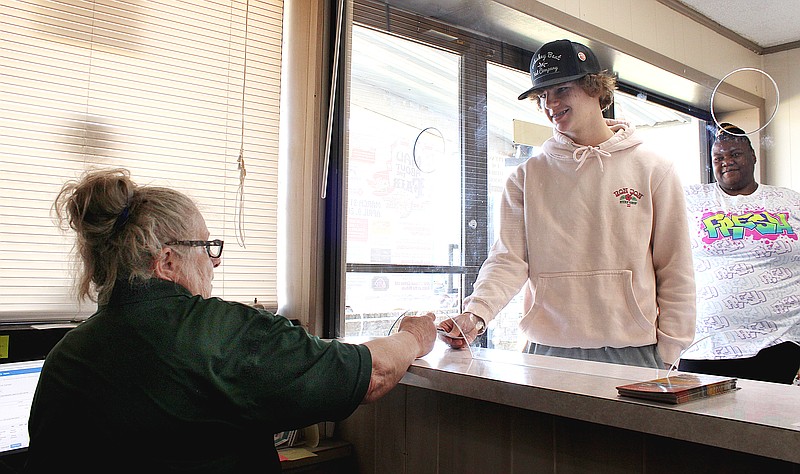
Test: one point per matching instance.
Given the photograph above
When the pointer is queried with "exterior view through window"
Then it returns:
(403, 181)
(409, 191)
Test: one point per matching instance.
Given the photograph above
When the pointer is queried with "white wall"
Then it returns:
(303, 124)
(782, 149)
(664, 31)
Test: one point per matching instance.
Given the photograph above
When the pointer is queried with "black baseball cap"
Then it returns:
(560, 61)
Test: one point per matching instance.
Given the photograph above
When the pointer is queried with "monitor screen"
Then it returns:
(17, 385)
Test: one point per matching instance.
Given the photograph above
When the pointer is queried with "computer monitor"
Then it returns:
(17, 385)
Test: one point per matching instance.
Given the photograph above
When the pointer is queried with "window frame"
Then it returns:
(476, 52)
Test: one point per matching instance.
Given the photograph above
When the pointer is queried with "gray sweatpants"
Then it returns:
(644, 356)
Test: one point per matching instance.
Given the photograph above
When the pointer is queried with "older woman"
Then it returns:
(164, 378)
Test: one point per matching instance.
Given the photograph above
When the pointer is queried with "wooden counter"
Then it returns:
(506, 412)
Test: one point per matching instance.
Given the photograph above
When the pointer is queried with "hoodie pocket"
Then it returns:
(590, 309)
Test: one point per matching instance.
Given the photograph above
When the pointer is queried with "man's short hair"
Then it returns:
(730, 132)
(599, 85)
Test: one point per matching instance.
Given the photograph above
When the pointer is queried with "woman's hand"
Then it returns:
(421, 327)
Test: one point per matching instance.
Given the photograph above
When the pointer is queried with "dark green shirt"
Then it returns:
(159, 380)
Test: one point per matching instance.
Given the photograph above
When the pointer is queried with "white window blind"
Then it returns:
(171, 90)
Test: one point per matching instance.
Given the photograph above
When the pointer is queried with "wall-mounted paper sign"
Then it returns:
(533, 134)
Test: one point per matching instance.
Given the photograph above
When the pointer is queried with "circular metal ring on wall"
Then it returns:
(777, 100)
(432, 131)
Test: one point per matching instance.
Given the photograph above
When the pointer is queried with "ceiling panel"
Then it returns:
(765, 26)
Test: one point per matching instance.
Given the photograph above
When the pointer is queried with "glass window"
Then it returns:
(420, 225)
(680, 136)
(403, 180)
(507, 150)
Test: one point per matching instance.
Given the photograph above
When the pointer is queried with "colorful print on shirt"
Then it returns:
(758, 225)
(747, 270)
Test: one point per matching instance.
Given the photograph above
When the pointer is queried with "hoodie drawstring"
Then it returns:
(586, 152)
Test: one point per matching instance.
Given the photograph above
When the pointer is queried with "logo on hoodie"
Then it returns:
(628, 196)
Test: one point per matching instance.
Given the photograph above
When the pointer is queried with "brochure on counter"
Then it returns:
(679, 388)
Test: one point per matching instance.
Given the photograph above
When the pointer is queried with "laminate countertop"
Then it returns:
(758, 418)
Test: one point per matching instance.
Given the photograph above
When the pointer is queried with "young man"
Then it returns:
(593, 226)
(747, 268)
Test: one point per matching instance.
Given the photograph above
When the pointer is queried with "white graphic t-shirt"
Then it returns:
(747, 270)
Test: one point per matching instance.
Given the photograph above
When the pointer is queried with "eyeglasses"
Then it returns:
(213, 247)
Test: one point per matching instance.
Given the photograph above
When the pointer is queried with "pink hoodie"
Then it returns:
(601, 235)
